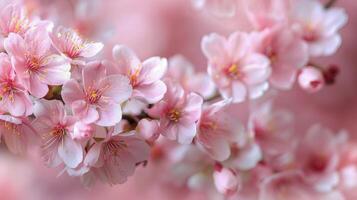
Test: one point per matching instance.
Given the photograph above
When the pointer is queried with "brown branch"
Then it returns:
(330, 3)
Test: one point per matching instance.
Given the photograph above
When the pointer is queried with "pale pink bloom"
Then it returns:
(237, 71)
(274, 132)
(114, 159)
(287, 54)
(54, 126)
(13, 19)
(318, 26)
(289, 185)
(220, 8)
(148, 129)
(311, 79)
(179, 113)
(318, 157)
(267, 13)
(16, 132)
(70, 44)
(226, 180)
(82, 131)
(246, 157)
(35, 65)
(14, 97)
(217, 130)
(144, 76)
(182, 71)
(98, 99)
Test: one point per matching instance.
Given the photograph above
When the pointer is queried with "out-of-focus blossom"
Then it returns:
(144, 76)
(114, 159)
(13, 96)
(318, 26)
(98, 98)
(246, 157)
(318, 155)
(287, 54)
(220, 8)
(71, 45)
(217, 131)
(148, 129)
(311, 79)
(226, 180)
(178, 113)
(16, 132)
(237, 71)
(181, 70)
(35, 65)
(54, 126)
(274, 132)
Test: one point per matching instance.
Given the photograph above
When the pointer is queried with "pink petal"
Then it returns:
(93, 155)
(238, 45)
(86, 113)
(186, 133)
(91, 49)
(148, 129)
(116, 87)
(150, 93)
(213, 46)
(153, 69)
(109, 115)
(325, 46)
(14, 45)
(57, 70)
(36, 87)
(72, 91)
(70, 152)
(239, 92)
(125, 58)
(93, 73)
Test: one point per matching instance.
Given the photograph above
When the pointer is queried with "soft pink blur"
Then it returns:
(165, 28)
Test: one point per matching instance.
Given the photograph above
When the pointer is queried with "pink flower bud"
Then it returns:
(226, 180)
(311, 79)
(148, 129)
(82, 131)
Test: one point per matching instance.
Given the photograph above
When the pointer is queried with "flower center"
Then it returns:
(33, 63)
(114, 147)
(58, 131)
(93, 96)
(174, 115)
(233, 71)
(13, 128)
(134, 76)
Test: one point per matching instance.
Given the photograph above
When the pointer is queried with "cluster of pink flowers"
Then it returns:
(99, 119)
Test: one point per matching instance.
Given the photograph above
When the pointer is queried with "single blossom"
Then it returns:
(287, 54)
(115, 158)
(237, 71)
(13, 96)
(218, 130)
(71, 45)
(226, 180)
(54, 126)
(16, 132)
(318, 157)
(148, 129)
(35, 65)
(318, 26)
(144, 76)
(311, 79)
(182, 71)
(178, 113)
(98, 99)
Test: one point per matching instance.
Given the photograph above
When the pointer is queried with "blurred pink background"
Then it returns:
(165, 28)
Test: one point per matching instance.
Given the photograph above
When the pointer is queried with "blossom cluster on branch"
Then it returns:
(100, 119)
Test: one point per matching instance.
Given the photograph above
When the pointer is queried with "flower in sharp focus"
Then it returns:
(318, 26)
(144, 76)
(35, 65)
(98, 99)
(178, 113)
(13, 96)
(237, 70)
(54, 126)
(70, 44)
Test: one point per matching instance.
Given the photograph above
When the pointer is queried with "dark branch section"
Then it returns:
(330, 3)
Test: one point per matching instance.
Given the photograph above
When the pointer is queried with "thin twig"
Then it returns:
(330, 4)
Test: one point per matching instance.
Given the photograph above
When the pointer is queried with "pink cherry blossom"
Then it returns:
(181, 70)
(82, 131)
(144, 76)
(70, 44)
(287, 54)
(226, 180)
(217, 131)
(247, 156)
(318, 156)
(178, 113)
(114, 159)
(318, 26)
(311, 79)
(54, 126)
(16, 132)
(148, 129)
(237, 71)
(35, 65)
(14, 97)
(98, 99)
